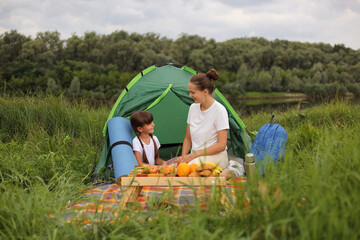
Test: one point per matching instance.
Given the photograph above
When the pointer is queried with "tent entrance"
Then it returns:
(170, 116)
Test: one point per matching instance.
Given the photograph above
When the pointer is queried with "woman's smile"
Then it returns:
(195, 93)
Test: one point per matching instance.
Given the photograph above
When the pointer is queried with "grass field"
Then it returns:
(47, 150)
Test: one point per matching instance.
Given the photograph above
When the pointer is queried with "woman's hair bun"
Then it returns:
(212, 74)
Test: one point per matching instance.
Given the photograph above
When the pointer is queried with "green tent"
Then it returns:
(163, 91)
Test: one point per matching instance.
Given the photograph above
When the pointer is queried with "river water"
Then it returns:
(246, 107)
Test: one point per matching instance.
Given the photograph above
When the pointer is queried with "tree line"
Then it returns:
(99, 66)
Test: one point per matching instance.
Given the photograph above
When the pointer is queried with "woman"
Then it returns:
(207, 124)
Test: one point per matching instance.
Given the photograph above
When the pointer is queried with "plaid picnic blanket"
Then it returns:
(102, 202)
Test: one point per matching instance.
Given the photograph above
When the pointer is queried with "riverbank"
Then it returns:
(272, 95)
(254, 102)
(278, 95)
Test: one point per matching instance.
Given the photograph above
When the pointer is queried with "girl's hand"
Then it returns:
(164, 163)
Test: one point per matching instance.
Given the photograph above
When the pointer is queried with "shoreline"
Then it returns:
(257, 96)
(270, 96)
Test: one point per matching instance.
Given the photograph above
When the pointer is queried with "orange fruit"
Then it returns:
(193, 167)
(167, 169)
(183, 170)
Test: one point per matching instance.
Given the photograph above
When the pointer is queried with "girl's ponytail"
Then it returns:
(156, 150)
(145, 160)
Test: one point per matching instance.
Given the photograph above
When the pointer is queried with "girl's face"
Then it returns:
(196, 94)
(147, 128)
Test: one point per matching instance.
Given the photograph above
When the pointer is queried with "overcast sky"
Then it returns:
(328, 21)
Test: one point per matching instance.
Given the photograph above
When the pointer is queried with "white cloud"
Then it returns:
(329, 21)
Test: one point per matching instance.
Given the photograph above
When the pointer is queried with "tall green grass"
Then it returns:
(48, 146)
(48, 137)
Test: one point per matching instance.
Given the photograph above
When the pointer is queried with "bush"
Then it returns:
(354, 88)
(325, 91)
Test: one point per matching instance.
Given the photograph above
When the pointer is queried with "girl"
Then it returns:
(207, 124)
(145, 145)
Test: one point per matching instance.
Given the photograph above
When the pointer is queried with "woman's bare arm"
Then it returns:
(187, 142)
(212, 150)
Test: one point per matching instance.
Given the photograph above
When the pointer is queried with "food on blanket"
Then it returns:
(136, 172)
(216, 172)
(211, 164)
(193, 167)
(205, 173)
(194, 174)
(183, 169)
(207, 169)
(167, 170)
(140, 170)
(143, 171)
(153, 170)
(214, 169)
(205, 166)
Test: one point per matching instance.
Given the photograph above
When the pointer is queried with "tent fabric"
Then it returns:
(163, 91)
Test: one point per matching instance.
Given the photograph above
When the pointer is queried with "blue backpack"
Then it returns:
(269, 144)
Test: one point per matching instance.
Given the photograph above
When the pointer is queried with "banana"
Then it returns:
(217, 170)
(211, 163)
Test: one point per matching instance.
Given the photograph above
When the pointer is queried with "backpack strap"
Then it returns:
(119, 143)
(272, 118)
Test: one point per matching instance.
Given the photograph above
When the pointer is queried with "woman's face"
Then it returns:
(196, 94)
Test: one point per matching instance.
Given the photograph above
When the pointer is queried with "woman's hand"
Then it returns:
(187, 158)
(179, 159)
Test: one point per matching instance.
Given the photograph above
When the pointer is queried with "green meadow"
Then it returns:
(48, 147)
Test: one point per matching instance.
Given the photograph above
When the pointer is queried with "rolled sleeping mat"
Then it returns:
(120, 137)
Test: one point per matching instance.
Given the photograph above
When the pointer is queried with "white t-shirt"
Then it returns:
(149, 149)
(204, 125)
